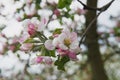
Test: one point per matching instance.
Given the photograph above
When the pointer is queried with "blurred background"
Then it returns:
(16, 65)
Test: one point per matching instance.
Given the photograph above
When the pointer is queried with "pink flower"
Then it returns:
(33, 25)
(56, 12)
(72, 55)
(66, 40)
(31, 29)
(39, 59)
(26, 46)
(62, 52)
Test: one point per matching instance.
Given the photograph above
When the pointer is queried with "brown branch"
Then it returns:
(88, 7)
(102, 9)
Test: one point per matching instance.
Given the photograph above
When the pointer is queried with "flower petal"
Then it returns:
(48, 44)
(72, 56)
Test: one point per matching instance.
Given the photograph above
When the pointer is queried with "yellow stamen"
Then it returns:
(67, 42)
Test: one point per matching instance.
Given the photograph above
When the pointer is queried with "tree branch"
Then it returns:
(102, 9)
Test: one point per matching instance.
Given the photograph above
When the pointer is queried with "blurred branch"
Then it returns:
(102, 9)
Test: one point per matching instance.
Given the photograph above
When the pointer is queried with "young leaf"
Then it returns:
(61, 62)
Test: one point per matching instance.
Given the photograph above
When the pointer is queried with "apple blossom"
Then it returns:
(33, 25)
(66, 40)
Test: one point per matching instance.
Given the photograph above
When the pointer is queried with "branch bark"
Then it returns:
(94, 56)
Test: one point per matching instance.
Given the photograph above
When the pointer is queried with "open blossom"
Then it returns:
(66, 40)
(66, 44)
(33, 25)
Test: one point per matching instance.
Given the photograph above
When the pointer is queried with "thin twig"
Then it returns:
(49, 20)
(89, 26)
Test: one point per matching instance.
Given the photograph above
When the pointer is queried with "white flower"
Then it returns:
(66, 40)
(48, 45)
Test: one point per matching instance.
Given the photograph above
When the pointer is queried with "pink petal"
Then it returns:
(72, 56)
(73, 36)
(23, 38)
(48, 60)
(39, 59)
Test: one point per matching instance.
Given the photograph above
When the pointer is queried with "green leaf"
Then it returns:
(52, 53)
(46, 52)
(41, 36)
(31, 40)
(36, 48)
(117, 31)
(57, 31)
(17, 47)
(64, 3)
(61, 62)
(38, 1)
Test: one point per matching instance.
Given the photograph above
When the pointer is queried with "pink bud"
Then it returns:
(56, 12)
(62, 52)
(39, 59)
(31, 29)
(11, 47)
(72, 55)
(26, 46)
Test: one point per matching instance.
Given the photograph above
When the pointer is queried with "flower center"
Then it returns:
(67, 42)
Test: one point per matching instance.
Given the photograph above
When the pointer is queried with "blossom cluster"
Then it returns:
(63, 42)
